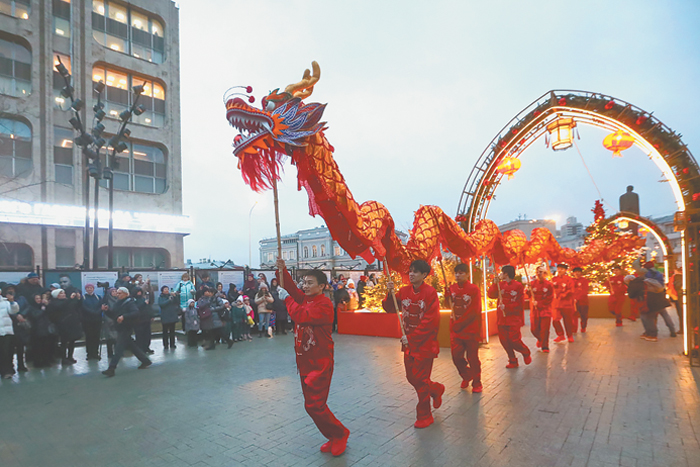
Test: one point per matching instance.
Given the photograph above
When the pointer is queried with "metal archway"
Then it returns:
(663, 146)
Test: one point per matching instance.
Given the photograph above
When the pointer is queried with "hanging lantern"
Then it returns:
(618, 141)
(623, 224)
(508, 166)
(561, 132)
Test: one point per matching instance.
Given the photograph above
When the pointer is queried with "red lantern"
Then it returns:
(610, 104)
(508, 166)
(562, 101)
(618, 141)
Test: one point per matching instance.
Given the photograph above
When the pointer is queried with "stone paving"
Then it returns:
(608, 399)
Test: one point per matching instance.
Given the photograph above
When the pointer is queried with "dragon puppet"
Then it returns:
(286, 127)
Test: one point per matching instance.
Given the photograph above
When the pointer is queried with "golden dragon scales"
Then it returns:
(284, 126)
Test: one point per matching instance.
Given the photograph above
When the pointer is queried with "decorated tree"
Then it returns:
(599, 272)
(373, 296)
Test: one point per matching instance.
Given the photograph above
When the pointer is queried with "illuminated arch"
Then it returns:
(663, 146)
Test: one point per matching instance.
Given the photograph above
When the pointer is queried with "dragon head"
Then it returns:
(282, 120)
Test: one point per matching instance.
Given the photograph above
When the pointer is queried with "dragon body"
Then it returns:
(284, 126)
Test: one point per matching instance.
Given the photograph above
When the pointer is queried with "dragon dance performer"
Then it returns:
(563, 304)
(541, 317)
(581, 299)
(618, 289)
(465, 328)
(312, 313)
(420, 309)
(511, 298)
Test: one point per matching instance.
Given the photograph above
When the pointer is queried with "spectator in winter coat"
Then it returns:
(124, 281)
(64, 313)
(6, 336)
(126, 314)
(142, 326)
(238, 319)
(41, 331)
(210, 308)
(250, 317)
(20, 325)
(361, 285)
(192, 324)
(30, 287)
(185, 290)
(279, 308)
(250, 289)
(109, 320)
(169, 315)
(91, 308)
(264, 300)
(232, 294)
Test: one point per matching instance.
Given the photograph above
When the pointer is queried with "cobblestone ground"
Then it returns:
(609, 399)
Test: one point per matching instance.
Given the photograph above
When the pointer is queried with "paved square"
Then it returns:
(609, 399)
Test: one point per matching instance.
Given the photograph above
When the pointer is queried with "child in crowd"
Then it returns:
(250, 320)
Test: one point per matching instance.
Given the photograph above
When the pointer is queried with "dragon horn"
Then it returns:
(305, 87)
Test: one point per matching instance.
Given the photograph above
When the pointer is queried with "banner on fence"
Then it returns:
(97, 278)
(231, 277)
(13, 277)
(169, 278)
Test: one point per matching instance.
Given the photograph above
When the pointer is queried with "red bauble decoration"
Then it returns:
(696, 196)
(685, 171)
(514, 131)
(609, 105)
(251, 99)
(641, 119)
(249, 89)
(536, 113)
(562, 101)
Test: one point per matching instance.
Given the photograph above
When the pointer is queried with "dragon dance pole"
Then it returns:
(277, 225)
(393, 297)
(444, 276)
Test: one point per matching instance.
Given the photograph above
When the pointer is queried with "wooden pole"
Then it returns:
(393, 296)
(444, 276)
(277, 225)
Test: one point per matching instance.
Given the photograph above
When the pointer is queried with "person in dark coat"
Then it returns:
(127, 313)
(42, 331)
(91, 308)
(209, 308)
(169, 315)
(64, 313)
(250, 289)
(109, 320)
(142, 326)
(31, 286)
(279, 308)
(340, 298)
(361, 284)
(232, 294)
(124, 281)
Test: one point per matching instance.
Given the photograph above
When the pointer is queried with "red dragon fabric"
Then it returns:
(286, 127)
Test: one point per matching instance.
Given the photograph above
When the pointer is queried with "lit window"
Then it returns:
(323, 250)
(63, 155)
(337, 251)
(314, 251)
(61, 18)
(15, 69)
(126, 30)
(118, 96)
(15, 148)
(140, 168)
(17, 8)
(306, 252)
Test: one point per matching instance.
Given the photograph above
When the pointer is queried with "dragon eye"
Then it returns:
(270, 106)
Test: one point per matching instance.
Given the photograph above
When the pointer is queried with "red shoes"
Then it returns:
(619, 325)
(512, 364)
(478, 388)
(326, 447)
(527, 360)
(545, 350)
(571, 339)
(539, 344)
(583, 330)
(338, 445)
(559, 339)
(437, 398)
(465, 383)
(424, 423)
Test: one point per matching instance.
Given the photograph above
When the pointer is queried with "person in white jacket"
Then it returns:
(6, 336)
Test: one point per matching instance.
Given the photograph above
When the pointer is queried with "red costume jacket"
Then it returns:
(421, 319)
(466, 318)
(563, 291)
(313, 325)
(617, 288)
(543, 291)
(581, 291)
(510, 311)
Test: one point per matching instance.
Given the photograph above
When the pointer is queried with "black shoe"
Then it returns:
(73, 360)
(230, 344)
(173, 346)
(165, 347)
(673, 334)
(149, 352)
(22, 369)
(145, 365)
(109, 372)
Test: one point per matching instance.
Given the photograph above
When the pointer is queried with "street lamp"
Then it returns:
(250, 236)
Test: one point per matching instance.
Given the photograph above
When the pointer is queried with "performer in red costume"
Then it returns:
(563, 303)
(465, 328)
(618, 289)
(581, 299)
(542, 293)
(312, 313)
(511, 298)
(420, 310)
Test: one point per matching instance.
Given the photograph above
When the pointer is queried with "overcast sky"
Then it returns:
(416, 90)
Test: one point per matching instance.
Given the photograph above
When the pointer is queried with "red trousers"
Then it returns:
(568, 315)
(472, 370)
(541, 330)
(315, 387)
(418, 375)
(615, 306)
(512, 341)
